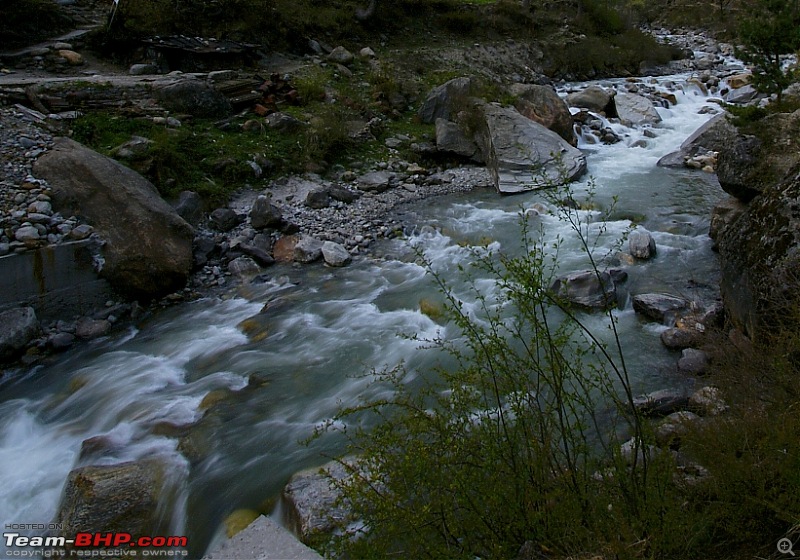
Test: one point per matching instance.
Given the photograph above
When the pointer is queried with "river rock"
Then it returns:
(142, 69)
(72, 58)
(309, 502)
(341, 55)
(450, 138)
(736, 163)
(741, 95)
(641, 244)
(635, 110)
(594, 98)
(376, 181)
(661, 403)
(588, 289)
(679, 338)
(190, 207)
(257, 253)
(659, 307)
(307, 250)
(88, 329)
(708, 401)
(264, 214)
(318, 199)
(543, 105)
(522, 155)
(127, 497)
(675, 426)
(193, 97)
(343, 194)
(27, 234)
(17, 328)
(243, 266)
(444, 101)
(693, 362)
(334, 254)
(148, 247)
(223, 219)
(712, 136)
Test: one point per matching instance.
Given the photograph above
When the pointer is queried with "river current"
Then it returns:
(325, 328)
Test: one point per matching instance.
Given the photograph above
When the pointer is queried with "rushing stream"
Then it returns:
(323, 330)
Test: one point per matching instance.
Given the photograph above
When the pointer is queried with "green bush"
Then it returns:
(24, 22)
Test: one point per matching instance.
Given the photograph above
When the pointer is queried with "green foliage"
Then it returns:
(771, 29)
(24, 22)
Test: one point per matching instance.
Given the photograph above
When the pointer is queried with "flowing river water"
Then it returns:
(323, 329)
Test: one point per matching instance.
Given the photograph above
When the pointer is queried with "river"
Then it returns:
(323, 330)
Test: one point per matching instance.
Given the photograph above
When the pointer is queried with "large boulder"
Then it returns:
(659, 307)
(17, 328)
(446, 100)
(587, 289)
(712, 136)
(128, 497)
(594, 98)
(194, 97)
(543, 105)
(635, 110)
(522, 155)
(450, 138)
(148, 246)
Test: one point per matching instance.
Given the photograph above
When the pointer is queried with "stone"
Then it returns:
(223, 219)
(89, 329)
(143, 69)
(72, 58)
(335, 254)
(594, 98)
(127, 497)
(446, 100)
(693, 362)
(708, 401)
(641, 244)
(190, 207)
(27, 234)
(263, 539)
(193, 97)
(61, 341)
(309, 501)
(736, 166)
(343, 194)
(676, 338)
(522, 155)
(221, 75)
(723, 215)
(137, 147)
(243, 266)
(264, 214)
(635, 110)
(712, 136)
(587, 289)
(737, 81)
(341, 55)
(283, 250)
(671, 429)
(366, 52)
(318, 199)
(18, 327)
(450, 138)
(147, 249)
(661, 403)
(40, 207)
(307, 250)
(283, 122)
(376, 181)
(543, 105)
(741, 95)
(659, 307)
(81, 232)
(260, 255)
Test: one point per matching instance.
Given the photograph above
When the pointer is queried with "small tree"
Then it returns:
(771, 30)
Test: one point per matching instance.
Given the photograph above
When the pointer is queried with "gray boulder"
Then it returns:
(736, 167)
(334, 254)
(587, 289)
(446, 100)
(712, 136)
(193, 97)
(543, 105)
(148, 246)
(723, 215)
(659, 307)
(224, 219)
(309, 501)
(641, 244)
(127, 497)
(264, 214)
(243, 266)
(450, 138)
(675, 426)
(376, 181)
(677, 338)
(341, 55)
(693, 362)
(741, 95)
(661, 403)
(594, 98)
(88, 329)
(17, 328)
(190, 207)
(635, 110)
(522, 155)
(708, 401)
(307, 250)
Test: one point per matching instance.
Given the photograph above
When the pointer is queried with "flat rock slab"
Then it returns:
(263, 539)
(659, 307)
